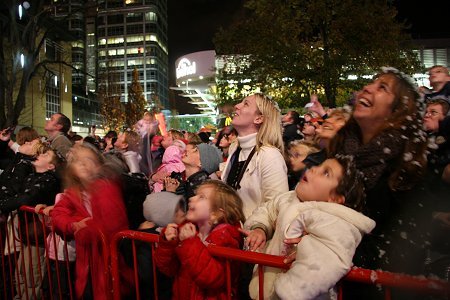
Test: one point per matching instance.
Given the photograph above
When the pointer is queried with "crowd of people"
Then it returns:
(367, 184)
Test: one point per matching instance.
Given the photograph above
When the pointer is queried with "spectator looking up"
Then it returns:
(57, 128)
(256, 167)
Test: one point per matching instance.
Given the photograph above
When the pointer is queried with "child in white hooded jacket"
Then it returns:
(323, 212)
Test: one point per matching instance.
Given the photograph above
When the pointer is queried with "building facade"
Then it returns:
(133, 34)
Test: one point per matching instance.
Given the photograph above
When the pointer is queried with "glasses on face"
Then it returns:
(432, 113)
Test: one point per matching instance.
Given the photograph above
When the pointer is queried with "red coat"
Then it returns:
(198, 275)
(108, 215)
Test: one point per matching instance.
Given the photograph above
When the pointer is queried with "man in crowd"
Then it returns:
(57, 128)
(291, 129)
(440, 82)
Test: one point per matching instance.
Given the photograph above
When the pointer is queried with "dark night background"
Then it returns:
(192, 24)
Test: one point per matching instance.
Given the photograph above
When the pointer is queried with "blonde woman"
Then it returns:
(256, 167)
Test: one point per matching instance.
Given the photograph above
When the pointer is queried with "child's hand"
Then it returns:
(187, 231)
(255, 240)
(77, 226)
(171, 184)
(47, 210)
(291, 256)
(171, 232)
(38, 207)
(159, 176)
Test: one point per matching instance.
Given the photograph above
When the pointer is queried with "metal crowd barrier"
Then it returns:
(28, 236)
(27, 270)
(387, 280)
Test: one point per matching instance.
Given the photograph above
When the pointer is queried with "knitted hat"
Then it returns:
(160, 207)
(210, 157)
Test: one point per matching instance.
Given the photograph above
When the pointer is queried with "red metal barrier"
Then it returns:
(34, 264)
(115, 255)
(386, 279)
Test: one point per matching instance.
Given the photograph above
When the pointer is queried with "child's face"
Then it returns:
(85, 164)
(200, 205)
(167, 140)
(296, 156)
(43, 162)
(319, 183)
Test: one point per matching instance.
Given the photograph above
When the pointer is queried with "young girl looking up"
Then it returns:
(91, 202)
(324, 210)
(214, 217)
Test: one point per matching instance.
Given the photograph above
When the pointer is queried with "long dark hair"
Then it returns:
(406, 121)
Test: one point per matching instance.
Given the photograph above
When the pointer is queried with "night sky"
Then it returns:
(192, 24)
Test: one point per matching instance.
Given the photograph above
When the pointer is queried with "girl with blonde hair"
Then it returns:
(213, 217)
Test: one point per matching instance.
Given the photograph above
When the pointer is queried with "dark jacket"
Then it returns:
(37, 188)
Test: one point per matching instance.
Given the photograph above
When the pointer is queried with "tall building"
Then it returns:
(79, 17)
(133, 34)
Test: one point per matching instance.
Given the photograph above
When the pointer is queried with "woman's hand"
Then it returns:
(187, 231)
(316, 106)
(255, 239)
(171, 232)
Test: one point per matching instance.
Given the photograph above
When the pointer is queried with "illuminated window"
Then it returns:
(133, 51)
(150, 16)
(53, 101)
(135, 39)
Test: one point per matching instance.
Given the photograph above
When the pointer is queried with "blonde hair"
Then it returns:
(309, 145)
(269, 133)
(193, 138)
(176, 134)
(227, 201)
(70, 179)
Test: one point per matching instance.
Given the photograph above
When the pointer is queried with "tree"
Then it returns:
(111, 108)
(21, 53)
(295, 47)
(135, 107)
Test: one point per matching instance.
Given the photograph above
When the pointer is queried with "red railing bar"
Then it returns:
(135, 266)
(398, 281)
(249, 257)
(155, 278)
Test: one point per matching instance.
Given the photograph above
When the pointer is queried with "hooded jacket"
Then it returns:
(324, 255)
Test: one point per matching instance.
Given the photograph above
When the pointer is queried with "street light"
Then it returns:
(24, 5)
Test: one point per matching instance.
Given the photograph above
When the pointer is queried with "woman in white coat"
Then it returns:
(256, 167)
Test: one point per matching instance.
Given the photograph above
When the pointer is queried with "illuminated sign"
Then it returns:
(185, 68)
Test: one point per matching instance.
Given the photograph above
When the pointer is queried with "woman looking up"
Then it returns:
(384, 135)
(256, 167)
